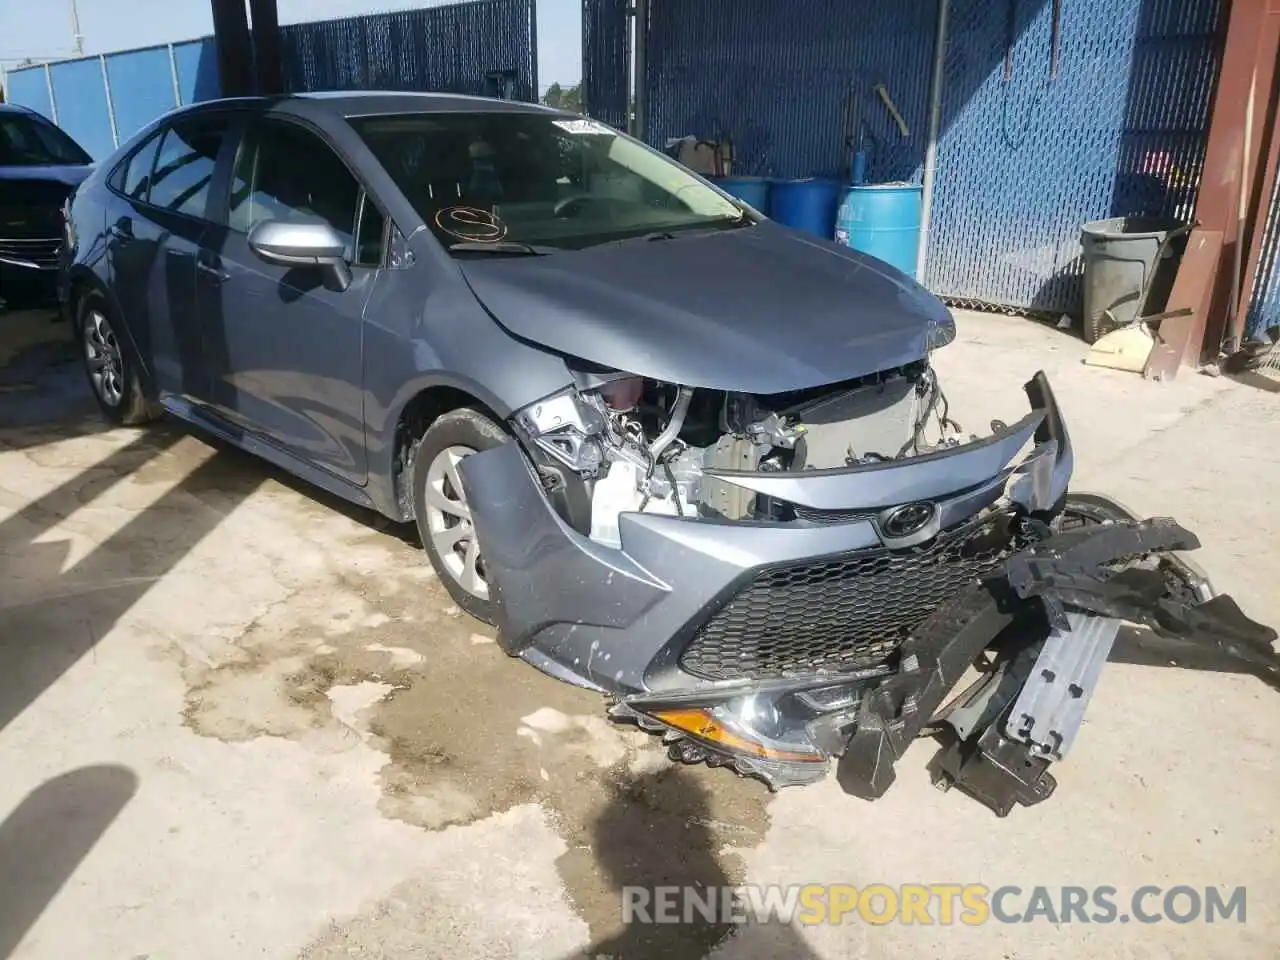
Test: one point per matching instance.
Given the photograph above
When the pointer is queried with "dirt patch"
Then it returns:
(470, 732)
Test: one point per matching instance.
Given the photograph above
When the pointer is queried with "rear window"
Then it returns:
(183, 167)
(133, 177)
(28, 140)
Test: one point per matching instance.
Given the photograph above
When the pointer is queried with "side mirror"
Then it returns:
(302, 243)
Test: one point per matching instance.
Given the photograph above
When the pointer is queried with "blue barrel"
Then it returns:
(753, 191)
(808, 205)
(883, 219)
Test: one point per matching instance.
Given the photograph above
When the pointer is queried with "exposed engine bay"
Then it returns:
(641, 446)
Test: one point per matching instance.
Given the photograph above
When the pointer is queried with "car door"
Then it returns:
(155, 226)
(285, 344)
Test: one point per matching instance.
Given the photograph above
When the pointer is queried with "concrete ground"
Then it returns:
(238, 718)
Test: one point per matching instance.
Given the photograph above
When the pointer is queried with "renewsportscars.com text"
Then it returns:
(970, 904)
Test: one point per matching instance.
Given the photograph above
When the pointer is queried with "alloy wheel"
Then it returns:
(102, 354)
(449, 522)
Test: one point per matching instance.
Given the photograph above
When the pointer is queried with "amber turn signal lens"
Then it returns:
(701, 724)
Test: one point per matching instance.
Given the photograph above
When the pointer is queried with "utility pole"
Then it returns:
(77, 38)
(234, 48)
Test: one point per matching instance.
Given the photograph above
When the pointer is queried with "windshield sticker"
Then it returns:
(583, 126)
(471, 224)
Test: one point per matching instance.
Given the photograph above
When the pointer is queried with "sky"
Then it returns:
(41, 29)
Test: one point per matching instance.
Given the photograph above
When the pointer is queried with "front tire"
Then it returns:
(112, 375)
(444, 516)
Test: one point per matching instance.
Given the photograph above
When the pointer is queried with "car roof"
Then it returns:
(13, 108)
(366, 103)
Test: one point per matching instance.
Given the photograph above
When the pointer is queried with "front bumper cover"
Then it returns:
(617, 620)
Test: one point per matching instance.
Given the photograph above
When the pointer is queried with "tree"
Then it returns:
(571, 99)
(564, 99)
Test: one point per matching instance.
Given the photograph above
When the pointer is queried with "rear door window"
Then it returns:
(184, 165)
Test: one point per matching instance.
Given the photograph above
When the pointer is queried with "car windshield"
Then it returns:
(30, 141)
(532, 183)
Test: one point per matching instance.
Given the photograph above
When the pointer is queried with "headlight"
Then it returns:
(68, 225)
(726, 728)
(783, 733)
(941, 331)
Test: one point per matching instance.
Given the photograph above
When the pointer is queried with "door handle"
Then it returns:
(121, 230)
(219, 276)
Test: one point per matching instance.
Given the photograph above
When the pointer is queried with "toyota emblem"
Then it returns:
(908, 519)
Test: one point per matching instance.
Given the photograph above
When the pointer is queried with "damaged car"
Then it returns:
(677, 453)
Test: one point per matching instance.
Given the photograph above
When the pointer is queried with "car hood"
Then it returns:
(40, 185)
(756, 310)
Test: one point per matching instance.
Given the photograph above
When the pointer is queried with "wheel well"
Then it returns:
(418, 414)
(80, 289)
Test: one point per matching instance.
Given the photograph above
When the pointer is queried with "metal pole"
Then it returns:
(77, 38)
(931, 148)
(53, 101)
(111, 107)
(234, 46)
(173, 72)
(642, 65)
(266, 46)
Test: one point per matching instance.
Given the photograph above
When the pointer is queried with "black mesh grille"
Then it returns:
(845, 611)
(831, 516)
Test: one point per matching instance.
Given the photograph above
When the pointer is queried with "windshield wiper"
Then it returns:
(655, 235)
(508, 247)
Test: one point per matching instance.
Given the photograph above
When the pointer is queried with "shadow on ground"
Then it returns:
(41, 381)
(45, 838)
(54, 609)
(655, 832)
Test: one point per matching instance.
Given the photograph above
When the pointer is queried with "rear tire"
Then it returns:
(443, 515)
(112, 374)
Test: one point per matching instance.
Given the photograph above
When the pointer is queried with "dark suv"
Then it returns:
(39, 167)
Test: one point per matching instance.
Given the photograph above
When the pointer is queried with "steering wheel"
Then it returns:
(571, 206)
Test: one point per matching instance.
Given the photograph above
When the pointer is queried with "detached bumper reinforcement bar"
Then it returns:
(1049, 710)
(1075, 569)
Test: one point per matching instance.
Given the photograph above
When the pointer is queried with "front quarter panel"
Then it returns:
(84, 258)
(424, 328)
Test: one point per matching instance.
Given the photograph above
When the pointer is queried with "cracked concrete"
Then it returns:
(328, 759)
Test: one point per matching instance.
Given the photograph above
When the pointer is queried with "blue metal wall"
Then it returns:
(29, 87)
(142, 88)
(1024, 160)
(131, 88)
(449, 48)
(196, 64)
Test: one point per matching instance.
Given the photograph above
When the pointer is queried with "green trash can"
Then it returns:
(1123, 258)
